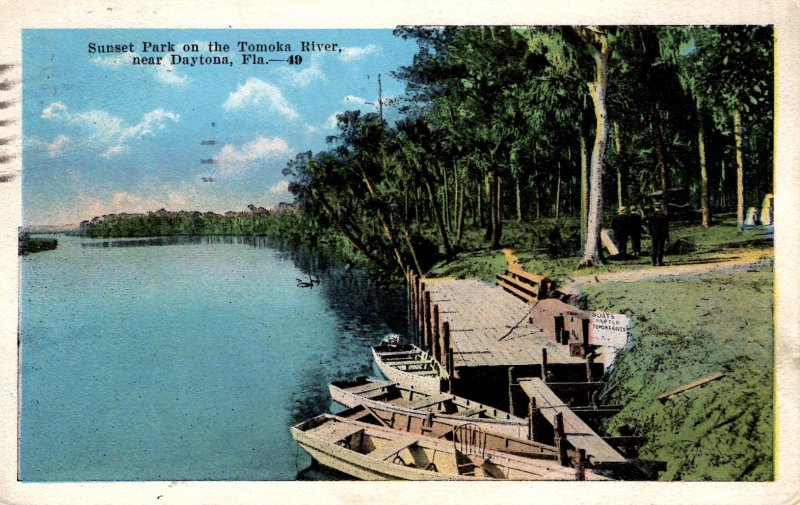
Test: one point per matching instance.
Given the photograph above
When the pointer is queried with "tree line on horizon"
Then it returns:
(544, 123)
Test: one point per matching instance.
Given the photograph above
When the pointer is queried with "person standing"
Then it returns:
(620, 226)
(658, 226)
(635, 230)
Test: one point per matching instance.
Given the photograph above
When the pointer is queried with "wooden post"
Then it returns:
(543, 288)
(448, 354)
(532, 412)
(511, 390)
(409, 295)
(581, 464)
(421, 315)
(589, 366)
(449, 364)
(561, 440)
(437, 347)
(544, 364)
(585, 328)
(559, 320)
(427, 322)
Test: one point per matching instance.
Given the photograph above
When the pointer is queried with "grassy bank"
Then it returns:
(552, 248)
(685, 330)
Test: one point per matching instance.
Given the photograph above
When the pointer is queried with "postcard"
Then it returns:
(268, 252)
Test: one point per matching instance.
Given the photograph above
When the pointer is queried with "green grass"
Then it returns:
(530, 242)
(685, 330)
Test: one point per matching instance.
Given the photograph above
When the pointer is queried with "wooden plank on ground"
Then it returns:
(686, 387)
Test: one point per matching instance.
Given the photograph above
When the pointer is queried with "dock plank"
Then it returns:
(491, 327)
(578, 433)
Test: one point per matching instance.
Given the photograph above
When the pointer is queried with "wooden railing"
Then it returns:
(525, 285)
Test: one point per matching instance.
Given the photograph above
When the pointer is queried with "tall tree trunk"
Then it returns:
(519, 199)
(445, 205)
(584, 186)
(479, 211)
(448, 249)
(701, 147)
(456, 190)
(661, 153)
(621, 196)
(490, 187)
(737, 132)
(597, 90)
(558, 191)
(460, 228)
(497, 233)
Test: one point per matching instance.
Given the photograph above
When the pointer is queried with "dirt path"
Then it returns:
(738, 262)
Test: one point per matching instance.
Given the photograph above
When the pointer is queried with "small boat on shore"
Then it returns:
(408, 365)
(432, 425)
(392, 396)
(370, 452)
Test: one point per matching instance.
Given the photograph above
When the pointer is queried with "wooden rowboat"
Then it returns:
(390, 395)
(432, 425)
(371, 452)
(410, 366)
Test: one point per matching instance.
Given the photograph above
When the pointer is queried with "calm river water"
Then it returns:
(185, 360)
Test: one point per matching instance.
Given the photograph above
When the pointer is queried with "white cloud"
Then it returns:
(304, 77)
(56, 146)
(331, 122)
(257, 93)
(108, 132)
(356, 53)
(166, 73)
(234, 160)
(55, 109)
(352, 99)
(310, 128)
(279, 187)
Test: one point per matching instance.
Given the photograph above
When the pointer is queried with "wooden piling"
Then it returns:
(561, 440)
(446, 350)
(421, 315)
(582, 463)
(511, 390)
(532, 417)
(449, 363)
(559, 321)
(420, 309)
(437, 347)
(427, 320)
(585, 328)
(544, 364)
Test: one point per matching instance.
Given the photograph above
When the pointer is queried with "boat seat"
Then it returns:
(370, 386)
(429, 401)
(407, 362)
(384, 453)
(334, 432)
(470, 412)
(371, 395)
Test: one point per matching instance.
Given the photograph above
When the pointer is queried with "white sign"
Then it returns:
(609, 330)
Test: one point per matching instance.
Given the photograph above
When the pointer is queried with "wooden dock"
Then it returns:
(491, 327)
(577, 433)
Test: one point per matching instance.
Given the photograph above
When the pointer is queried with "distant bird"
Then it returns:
(207, 179)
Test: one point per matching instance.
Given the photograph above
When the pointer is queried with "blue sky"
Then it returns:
(102, 135)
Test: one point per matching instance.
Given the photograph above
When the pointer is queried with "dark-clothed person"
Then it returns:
(620, 226)
(658, 226)
(635, 231)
